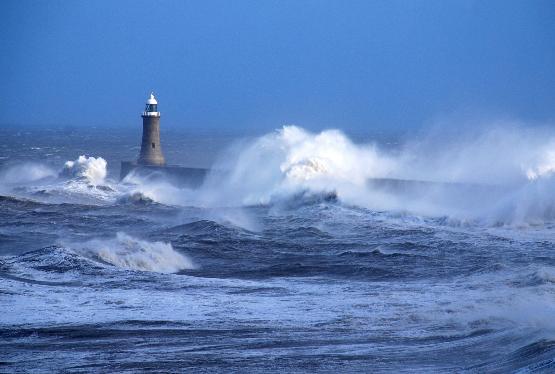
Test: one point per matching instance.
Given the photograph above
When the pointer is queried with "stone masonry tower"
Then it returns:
(151, 151)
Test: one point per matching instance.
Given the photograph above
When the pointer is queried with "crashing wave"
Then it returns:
(463, 179)
(91, 169)
(127, 252)
(290, 161)
(329, 154)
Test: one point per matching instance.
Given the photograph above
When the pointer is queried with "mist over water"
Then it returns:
(310, 249)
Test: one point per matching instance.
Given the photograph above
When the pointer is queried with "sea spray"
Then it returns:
(291, 160)
(544, 165)
(159, 190)
(483, 176)
(91, 169)
(25, 173)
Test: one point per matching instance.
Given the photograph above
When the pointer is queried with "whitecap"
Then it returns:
(127, 252)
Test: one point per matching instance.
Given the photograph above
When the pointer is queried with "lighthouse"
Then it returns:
(151, 150)
(151, 162)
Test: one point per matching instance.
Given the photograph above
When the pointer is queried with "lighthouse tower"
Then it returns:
(151, 160)
(151, 151)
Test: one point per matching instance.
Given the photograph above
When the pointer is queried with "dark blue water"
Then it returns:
(109, 276)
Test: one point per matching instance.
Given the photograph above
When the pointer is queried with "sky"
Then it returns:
(253, 66)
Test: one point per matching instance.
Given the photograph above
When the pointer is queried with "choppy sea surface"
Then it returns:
(287, 260)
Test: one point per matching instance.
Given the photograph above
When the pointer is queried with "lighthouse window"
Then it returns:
(151, 108)
(153, 146)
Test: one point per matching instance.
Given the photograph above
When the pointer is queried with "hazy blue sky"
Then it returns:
(255, 65)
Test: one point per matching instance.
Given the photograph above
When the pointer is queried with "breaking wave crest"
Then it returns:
(81, 181)
(127, 252)
(291, 160)
(91, 169)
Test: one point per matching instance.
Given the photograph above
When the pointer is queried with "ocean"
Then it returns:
(306, 252)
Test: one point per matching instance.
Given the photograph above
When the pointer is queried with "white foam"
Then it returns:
(92, 169)
(131, 253)
(545, 166)
(291, 160)
(157, 190)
